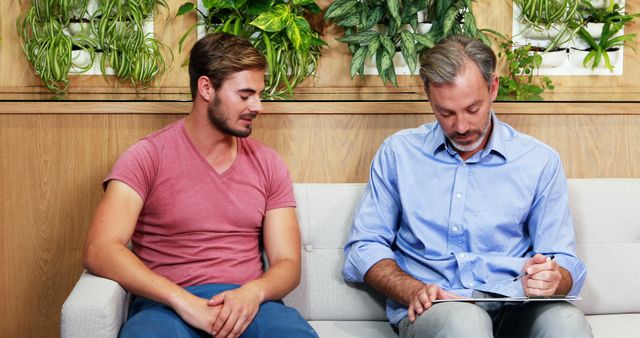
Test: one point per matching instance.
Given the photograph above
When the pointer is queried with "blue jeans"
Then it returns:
(150, 319)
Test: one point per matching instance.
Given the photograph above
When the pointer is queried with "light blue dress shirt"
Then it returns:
(463, 225)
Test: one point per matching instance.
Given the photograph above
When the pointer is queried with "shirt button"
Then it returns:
(458, 195)
(308, 248)
(471, 285)
(462, 255)
(454, 229)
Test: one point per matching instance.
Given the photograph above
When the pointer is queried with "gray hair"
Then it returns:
(441, 63)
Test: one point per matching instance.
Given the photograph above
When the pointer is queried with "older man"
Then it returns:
(459, 208)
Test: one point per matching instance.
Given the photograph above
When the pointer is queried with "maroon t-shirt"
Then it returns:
(198, 226)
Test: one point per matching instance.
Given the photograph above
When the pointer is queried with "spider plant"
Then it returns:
(280, 29)
(133, 55)
(46, 43)
(553, 16)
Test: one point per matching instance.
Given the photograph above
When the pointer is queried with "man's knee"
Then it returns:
(275, 319)
(449, 320)
(561, 320)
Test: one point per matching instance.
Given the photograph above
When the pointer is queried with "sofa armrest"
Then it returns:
(97, 307)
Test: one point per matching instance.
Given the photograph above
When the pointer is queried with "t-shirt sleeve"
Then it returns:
(280, 188)
(136, 167)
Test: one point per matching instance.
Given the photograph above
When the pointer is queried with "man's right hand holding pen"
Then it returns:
(542, 276)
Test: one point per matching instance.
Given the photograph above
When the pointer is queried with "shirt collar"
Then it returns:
(495, 144)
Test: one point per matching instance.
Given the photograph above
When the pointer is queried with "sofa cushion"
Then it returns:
(325, 212)
(618, 326)
(608, 237)
(353, 329)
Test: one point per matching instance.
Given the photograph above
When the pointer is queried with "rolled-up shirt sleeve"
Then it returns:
(551, 227)
(376, 220)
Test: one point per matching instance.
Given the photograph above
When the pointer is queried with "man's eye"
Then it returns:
(244, 98)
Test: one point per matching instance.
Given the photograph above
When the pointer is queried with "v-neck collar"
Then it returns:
(204, 161)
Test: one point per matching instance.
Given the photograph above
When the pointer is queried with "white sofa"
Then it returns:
(607, 231)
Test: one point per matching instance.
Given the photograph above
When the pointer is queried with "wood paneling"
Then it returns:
(52, 165)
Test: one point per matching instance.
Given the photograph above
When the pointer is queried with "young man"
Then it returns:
(459, 207)
(199, 201)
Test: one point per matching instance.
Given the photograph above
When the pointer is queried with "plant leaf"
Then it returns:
(274, 20)
(303, 2)
(357, 61)
(256, 7)
(388, 44)
(362, 38)
(339, 9)
(185, 8)
(394, 11)
(299, 32)
(374, 17)
(228, 4)
(408, 50)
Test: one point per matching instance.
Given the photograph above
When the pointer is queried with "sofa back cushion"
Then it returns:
(608, 237)
(607, 234)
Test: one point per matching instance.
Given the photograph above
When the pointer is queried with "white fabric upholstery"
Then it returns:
(95, 308)
(607, 232)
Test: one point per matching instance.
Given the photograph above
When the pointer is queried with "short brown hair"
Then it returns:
(219, 55)
(442, 63)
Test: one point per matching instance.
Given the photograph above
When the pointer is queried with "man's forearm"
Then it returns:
(386, 277)
(117, 262)
(278, 281)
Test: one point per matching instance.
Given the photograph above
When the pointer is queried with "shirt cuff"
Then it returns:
(361, 257)
(577, 270)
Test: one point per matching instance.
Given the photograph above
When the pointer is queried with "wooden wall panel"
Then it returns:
(52, 165)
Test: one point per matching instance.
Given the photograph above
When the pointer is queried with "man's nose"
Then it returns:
(461, 124)
(256, 106)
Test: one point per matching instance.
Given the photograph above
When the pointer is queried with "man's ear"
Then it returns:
(205, 88)
(493, 88)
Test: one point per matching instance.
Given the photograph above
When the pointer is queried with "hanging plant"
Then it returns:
(279, 29)
(132, 54)
(46, 42)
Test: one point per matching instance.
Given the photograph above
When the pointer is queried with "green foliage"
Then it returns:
(115, 30)
(373, 29)
(521, 83)
(614, 20)
(278, 28)
(133, 55)
(563, 16)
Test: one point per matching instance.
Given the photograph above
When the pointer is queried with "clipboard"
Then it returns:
(511, 299)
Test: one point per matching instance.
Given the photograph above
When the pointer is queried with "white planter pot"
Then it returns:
(79, 59)
(423, 28)
(539, 33)
(553, 59)
(594, 29)
(399, 64)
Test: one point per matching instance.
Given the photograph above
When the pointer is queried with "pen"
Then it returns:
(524, 273)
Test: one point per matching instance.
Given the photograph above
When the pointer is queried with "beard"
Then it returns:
(222, 122)
(472, 145)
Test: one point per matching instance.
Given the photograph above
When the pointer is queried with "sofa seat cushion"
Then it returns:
(353, 329)
(624, 325)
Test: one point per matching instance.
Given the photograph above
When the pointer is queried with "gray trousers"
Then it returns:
(532, 319)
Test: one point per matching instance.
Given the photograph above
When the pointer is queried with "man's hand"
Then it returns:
(196, 312)
(235, 310)
(543, 277)
(423, 299)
